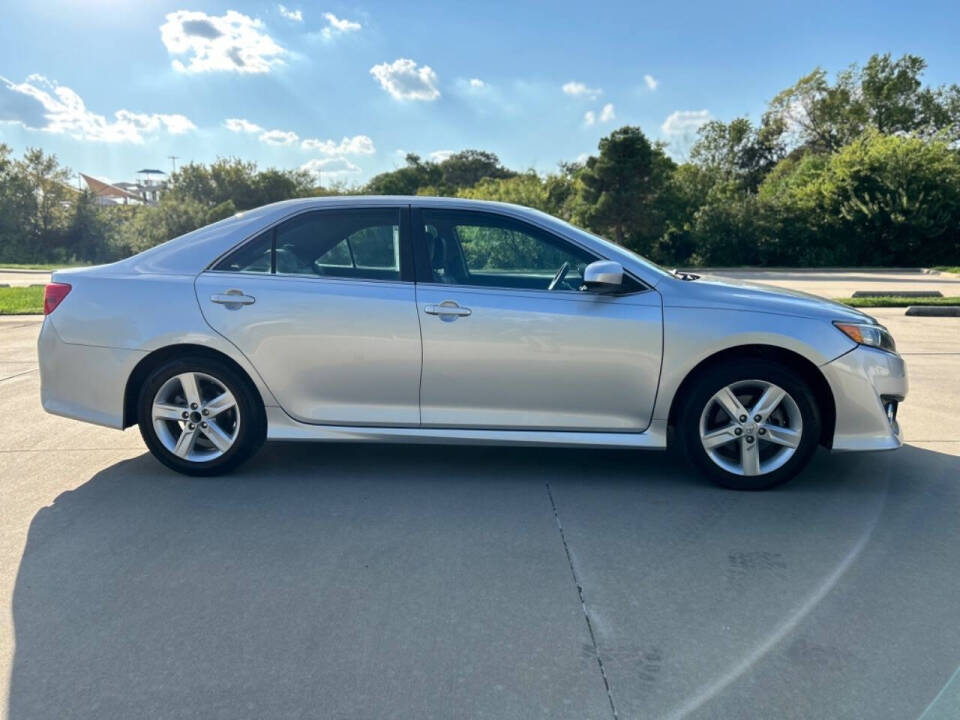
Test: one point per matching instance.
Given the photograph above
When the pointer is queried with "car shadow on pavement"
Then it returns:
(372, 580)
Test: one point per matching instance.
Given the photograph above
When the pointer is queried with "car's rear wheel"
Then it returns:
(749, 425)
(198, 416)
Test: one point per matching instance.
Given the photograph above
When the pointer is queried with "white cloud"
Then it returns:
(607, 114)
(578, 89)
(405, 81)
(651, 82)
(475, 88)
(440, 155)
(239, 125)
(338, 26)
(329, 167)
(231, 42)
(685, 122)
(41, 104)
(295, 15)
(279, 137)
(356, 145)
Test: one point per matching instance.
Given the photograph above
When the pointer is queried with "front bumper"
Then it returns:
(863, 381)
(84, 382)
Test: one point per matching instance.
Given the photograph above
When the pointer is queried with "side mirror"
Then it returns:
(603, 276)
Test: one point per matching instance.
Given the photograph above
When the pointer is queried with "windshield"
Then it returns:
(615, 249)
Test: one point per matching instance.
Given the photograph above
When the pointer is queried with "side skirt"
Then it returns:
(281, 426)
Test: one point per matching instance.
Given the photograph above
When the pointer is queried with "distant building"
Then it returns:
(150, 183)
(145, 191)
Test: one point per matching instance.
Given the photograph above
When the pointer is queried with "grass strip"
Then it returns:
(21, 300)
(875, 302)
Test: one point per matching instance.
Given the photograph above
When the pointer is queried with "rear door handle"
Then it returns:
(233, 297)
(447, 310)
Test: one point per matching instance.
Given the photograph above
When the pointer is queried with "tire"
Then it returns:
(749, 455)
(214, 438)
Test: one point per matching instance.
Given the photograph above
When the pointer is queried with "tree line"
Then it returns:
(861, 169)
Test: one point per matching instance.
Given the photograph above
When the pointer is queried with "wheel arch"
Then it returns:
(147, 364)
(796, 362)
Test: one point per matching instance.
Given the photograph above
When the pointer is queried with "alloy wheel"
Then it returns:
(195, 416)
(751, 427)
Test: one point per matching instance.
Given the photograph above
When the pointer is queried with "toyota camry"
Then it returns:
(433, 320)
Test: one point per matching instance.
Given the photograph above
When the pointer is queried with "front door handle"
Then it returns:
(447, 310)
(233, 297)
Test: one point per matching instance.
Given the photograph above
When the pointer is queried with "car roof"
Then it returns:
(391, 200)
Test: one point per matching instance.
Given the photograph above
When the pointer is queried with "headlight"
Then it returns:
(875, 336)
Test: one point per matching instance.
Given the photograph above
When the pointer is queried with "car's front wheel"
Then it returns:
(749, 425)
(198, 416)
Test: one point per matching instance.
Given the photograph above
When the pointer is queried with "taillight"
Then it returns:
(53, 295)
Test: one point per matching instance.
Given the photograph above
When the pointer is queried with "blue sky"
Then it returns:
(346, 89)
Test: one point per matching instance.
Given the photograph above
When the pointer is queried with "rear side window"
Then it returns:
(362, 244)
(252, 257)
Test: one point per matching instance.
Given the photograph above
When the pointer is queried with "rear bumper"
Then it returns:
(83, 382)
(861, 381)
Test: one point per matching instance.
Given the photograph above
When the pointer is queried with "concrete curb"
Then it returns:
(837, 269)
(933, 310)
(898, 293)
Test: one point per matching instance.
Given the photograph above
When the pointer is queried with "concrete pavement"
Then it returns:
(439, 582)
(843, 283)
(23, 277)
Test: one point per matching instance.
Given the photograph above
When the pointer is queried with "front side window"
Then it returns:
(467, 248)
(362, 244)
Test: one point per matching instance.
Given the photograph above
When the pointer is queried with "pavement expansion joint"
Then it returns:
(16, 375)
(583, 605)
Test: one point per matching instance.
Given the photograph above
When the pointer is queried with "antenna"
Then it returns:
(173, 161)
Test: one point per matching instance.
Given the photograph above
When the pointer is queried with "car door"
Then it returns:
(501, 350)
(323, 306)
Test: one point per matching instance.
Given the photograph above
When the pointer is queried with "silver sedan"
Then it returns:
(451, 321)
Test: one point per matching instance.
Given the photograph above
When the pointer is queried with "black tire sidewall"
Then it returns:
(719, 376)
(252, 422)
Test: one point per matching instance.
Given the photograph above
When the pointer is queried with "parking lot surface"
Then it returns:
(843, 283)
(366, 581)
(23, 277)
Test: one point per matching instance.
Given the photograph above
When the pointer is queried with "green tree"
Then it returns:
(47, 202)
(13, 194)
(688, 186)
(886, 95)
(87, 237)
(895, 199)
(406, 180)
(236, 181)
(461, 170)
(728, 227)
(467, 168)
(623, 187)
(739, 151)
(549, 194)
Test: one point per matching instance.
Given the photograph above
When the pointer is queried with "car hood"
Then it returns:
(722, 292)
